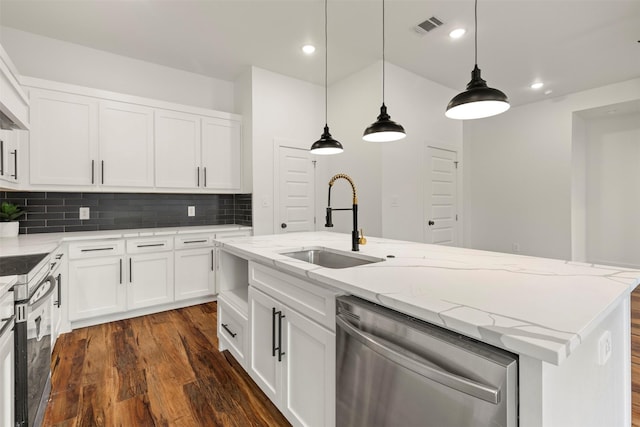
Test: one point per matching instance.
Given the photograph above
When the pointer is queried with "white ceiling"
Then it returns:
(571, 45)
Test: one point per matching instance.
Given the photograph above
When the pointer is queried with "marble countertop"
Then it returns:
(538, 307)
(26, 244)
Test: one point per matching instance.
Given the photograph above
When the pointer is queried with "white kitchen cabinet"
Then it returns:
(292, 360)
(126, 145)
(177, 147)
(97, 287)
(221, 154)
(63, 138)
(150, 280)
(10, 156)
(195, 272)
(7, 369)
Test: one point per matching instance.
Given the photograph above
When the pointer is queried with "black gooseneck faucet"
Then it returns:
(356, 238)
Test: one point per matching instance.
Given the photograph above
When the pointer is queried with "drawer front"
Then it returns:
(149, 244)
(194, 241)
(94, 249)
(232, 329)
(313, 301)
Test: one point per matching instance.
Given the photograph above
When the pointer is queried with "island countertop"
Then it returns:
(538, 307)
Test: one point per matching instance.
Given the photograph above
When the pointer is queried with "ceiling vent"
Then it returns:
(428, 25)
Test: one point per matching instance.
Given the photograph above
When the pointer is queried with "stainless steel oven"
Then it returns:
(32, 334)
(393, 370)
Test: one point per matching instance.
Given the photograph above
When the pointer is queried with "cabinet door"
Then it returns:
(195, 275)
(63, 138)
(263, 365)
(96, 287)
(177, 138)
(221, 151)
(9, 155)
(126, 145)
(150, 280)
(7, 368)
(308, 376)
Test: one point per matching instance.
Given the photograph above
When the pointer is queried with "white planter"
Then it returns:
(9, 229)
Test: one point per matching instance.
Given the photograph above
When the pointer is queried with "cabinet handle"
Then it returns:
(229, 331)
(1, 157)
(273, 331)
(198, 176)
(150, 245)
(280, 352)
(212, 261)
(130, 271)
(15, 163)
(102, 172)
(59, 279)
(96, 249)
(93, 171)
(205, 176)
(121, 271)
(195, 241)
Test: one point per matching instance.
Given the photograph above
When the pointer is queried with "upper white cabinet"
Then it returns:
(106, 141)
(177, 150)
(126, 145)
(63, 139)
(221, 154)
(9, 156)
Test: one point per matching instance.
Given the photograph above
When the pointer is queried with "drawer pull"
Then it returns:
(150, 245)
(195, 241)
(225, 327)
(96, 249)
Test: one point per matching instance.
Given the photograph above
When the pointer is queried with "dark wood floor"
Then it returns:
(157, 370)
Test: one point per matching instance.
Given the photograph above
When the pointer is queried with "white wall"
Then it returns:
(578, 189)
(395, 169)
(283, 108)
(50, 59)
(613, 190)
(518, 189)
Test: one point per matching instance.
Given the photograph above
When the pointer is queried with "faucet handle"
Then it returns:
(361, 239)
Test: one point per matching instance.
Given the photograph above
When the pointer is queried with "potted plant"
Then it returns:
(9, 213)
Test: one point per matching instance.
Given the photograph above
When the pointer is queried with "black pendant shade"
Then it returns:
(326, 144)
(384, 129)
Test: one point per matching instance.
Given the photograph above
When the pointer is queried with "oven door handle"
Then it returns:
(8, 325)
(35, 303)
(420, 365)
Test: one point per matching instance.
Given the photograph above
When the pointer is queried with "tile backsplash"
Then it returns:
(51, 212)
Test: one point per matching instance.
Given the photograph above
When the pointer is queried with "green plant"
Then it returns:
(10, 212)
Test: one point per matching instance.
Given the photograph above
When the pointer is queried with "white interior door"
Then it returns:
(441, 198)
(294, 190)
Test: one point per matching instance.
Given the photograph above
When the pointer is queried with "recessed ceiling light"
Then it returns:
(537, 85)
(547, 92)
(457, 33)
(308, 49)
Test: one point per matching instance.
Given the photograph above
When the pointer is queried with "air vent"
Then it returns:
(428, 25)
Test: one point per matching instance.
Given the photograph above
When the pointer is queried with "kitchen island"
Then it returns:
(569, 323)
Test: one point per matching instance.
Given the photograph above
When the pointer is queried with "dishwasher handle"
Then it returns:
(420, 365)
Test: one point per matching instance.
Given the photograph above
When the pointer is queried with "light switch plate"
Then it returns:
(84, 213)
(191, 211)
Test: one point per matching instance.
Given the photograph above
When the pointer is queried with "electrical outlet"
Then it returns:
(84, 213)
(604, 348)
(191, 211)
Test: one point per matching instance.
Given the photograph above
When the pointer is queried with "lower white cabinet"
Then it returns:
(195, 266)
(96, 287)
(292, 359)
(150, 280)
(7, 368)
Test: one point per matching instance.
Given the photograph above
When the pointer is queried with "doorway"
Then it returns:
(441, 197)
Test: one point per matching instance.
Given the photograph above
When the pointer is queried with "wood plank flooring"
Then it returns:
(157, 370)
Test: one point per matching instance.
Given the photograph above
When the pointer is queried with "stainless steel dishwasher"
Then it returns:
(394, 370)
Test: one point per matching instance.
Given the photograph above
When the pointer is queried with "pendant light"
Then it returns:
(479, 100)
(326, 144)
(384, 129)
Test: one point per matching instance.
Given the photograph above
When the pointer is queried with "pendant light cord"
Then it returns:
(476, 28)
(383, 40)
(326, 67)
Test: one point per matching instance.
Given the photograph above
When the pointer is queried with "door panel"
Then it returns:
(295, 188)
(263, 366)
(221, 148)
(177, 150)
(441, 198)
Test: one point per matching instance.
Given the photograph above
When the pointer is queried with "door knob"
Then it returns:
(283, 225)
(431, 222)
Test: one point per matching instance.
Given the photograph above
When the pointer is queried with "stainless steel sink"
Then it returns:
(331, 258)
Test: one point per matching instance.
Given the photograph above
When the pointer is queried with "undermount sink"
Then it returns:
(331, 258)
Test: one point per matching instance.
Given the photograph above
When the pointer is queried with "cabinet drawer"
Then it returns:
(232, 330)
(149, 244)
(193, 241)
(315, 302)
(93, 249)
